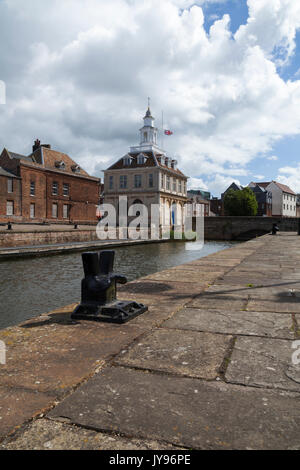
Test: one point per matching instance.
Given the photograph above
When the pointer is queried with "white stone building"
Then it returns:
(146, 175)
(284, 200)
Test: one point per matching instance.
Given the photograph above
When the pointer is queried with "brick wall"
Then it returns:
(14, 196)
(15, 238)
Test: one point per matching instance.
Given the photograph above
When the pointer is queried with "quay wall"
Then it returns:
(215, 228)
(233, 228)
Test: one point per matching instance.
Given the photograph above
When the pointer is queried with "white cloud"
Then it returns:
(272, 158)
(78, 75)
(291, 177)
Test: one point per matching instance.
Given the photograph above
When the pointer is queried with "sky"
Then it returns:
(226, 74)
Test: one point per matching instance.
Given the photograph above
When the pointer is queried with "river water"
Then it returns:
(31, 286)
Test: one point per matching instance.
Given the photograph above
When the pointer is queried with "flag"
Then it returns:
(168, 133)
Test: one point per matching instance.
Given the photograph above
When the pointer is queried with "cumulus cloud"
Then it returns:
(290, 176)
(78, 74)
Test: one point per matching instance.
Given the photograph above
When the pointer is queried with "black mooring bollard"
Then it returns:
(99, 291)
(275, 229)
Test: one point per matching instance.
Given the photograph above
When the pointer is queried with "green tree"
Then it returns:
(241, 203)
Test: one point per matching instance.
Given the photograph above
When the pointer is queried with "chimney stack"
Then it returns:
(37, 144)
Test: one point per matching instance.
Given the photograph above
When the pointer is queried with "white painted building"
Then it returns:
(146, 175)
(284, 200)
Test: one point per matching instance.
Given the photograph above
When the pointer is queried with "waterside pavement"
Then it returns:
(211, 365)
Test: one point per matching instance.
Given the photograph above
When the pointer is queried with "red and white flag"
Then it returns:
(168, 132)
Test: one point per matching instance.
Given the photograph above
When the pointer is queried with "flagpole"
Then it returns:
(162, 130)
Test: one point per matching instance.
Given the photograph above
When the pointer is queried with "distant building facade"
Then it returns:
(298, 206)
(264, 199)
(46, 186)
(200, 201)
(284, 200)
(146, 175)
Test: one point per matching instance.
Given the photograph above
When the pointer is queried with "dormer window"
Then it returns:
(127, 160)
(75, 168)
(60, 165)
(141, 159)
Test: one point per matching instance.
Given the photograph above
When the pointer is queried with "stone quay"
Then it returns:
(213, 364)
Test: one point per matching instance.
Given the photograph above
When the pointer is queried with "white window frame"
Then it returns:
(10, 185)
(10, 208)
(54, 212)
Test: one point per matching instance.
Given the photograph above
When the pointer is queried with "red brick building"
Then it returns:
(46, 186)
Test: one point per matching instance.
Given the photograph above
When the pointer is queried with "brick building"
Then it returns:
(46, 186)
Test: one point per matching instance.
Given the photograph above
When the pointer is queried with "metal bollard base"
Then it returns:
(114, 312)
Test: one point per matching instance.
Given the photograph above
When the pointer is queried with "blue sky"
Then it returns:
(226, 73)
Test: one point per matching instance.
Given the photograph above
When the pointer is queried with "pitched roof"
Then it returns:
(50, 158)
(6, 173)
(263, 185)
(18, 156)
(285, 188)
(45, 158)
(151, 160)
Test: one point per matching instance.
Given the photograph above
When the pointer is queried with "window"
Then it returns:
(174, 185)
(10, 185)
(54, 210)
(65, 211)
(162, 181)
(141, 159)
(54, 188)
(168, 183)
(179, 186)
(123, 181)
(9, 207)
(127, 161)
(284, 206)
(111, 182)
(145, 136)
(151, 180)
(137, 181)
(66, 189)
(32, 188)
(32, 211)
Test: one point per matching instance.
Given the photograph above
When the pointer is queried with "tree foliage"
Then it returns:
(241, 203)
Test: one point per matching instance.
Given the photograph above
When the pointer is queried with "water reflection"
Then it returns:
(32, 286)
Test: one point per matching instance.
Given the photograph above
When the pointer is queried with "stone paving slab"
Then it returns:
(185, 412)
(264, 362)
(52, 353)
(45, 434)
(279, 305)
(218, 302)
(208, 262)
(19, 405)
(185, 275)
(162, 290)
(188, 353)
(235, 323)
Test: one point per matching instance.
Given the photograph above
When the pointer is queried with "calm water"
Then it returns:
(31, 286)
